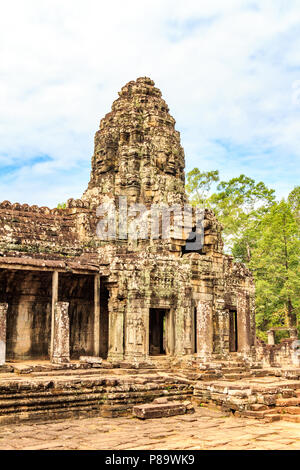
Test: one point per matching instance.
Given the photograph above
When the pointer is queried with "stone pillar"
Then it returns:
(97, 315)
(188, 344)
(147, 329)
(3, 314)
(61, 341)
(116, 328)
(53, 303)
(115, 343)
(204, 329)
(271, 337)
(243, 323)
(135, 337)
(179, 331)
(170, 332)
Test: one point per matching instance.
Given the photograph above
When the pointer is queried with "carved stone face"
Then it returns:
(105, 156)
(129, 167)
(160, 160)
(170, 162)
(165, 161)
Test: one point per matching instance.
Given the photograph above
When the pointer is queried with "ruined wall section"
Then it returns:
(49, 234)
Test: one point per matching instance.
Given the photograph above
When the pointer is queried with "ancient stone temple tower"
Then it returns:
(137, 150)
(66, 292)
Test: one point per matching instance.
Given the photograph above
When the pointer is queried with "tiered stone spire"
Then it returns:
(137, 150)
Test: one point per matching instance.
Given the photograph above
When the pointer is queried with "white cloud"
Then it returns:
(226, 70)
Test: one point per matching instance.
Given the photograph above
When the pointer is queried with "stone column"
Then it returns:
(97, 315)
(136, 328)
(61, 341)
(116, 328)
(147, 327)
(53, 303)
(204, 329)
(188, 344)
(115, 343)
(170, 332)
(3, 314)
(271, 337)
(243, 322)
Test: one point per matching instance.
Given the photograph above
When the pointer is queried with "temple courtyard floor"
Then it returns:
(206, 429)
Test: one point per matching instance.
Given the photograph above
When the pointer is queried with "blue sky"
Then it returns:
(229, 70)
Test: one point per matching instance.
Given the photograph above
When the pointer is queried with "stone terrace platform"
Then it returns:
(40, 390)
(44, 391)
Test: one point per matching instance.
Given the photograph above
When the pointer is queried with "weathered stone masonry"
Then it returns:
(66, 293)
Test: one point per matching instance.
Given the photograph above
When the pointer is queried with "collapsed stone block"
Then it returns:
(159, 410)
(90, 360)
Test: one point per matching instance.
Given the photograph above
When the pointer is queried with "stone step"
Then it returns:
(159, 410)
(288, 402)
(270, 418)
(259, 373)
(256, 414)
(290, 418)
(235, 364)
(242, 375)
(258, 407)
(233, 370)
(291, 410)
(210, 377)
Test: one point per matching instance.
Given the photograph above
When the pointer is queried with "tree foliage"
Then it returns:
(275, 265)
(62, 205)
(262, 233)
(199, 184)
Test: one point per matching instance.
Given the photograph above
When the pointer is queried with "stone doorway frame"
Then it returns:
(169, 326)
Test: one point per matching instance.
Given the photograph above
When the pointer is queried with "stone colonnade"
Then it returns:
(59, 348)
(129, 332)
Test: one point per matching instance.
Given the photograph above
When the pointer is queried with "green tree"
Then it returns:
(294, 201)
(262, 233)
(275, 265)
(239, 204)
(199, 184)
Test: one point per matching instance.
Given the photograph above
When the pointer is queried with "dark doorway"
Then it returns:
(233, 336)
(157, 331)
